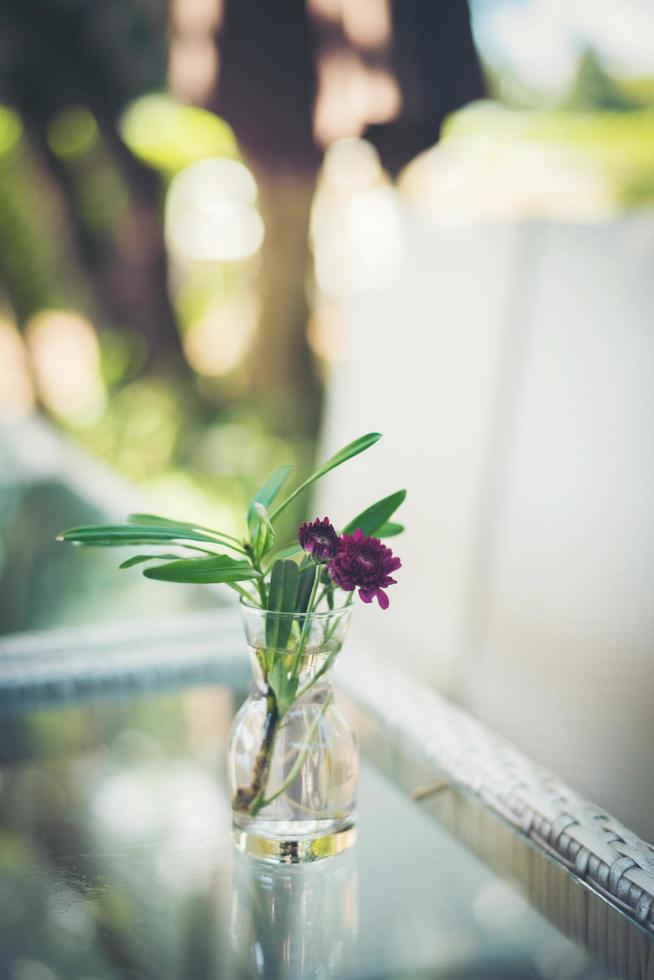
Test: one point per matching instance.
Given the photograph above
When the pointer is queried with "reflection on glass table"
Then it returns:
(117, 862)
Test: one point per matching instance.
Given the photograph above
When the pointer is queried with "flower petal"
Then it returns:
(382, 598)
(364, 563)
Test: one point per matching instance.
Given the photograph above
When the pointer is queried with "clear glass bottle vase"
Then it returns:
(293, 756)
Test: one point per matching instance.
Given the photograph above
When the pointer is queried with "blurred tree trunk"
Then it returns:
(266, 92)
(284, 372)
(54, 55)
(438, 70)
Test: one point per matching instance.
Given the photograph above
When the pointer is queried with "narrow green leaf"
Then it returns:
(282, 598)
(370, 520)
(305, 585)
(352, 449)
(389, 530)
(137, 559)
(203, 571)
(262, 515)
(262, 533)
(155, 520)
(119, 535)
(267, 493)
(284, 688)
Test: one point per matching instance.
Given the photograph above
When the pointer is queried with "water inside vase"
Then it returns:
(311, 775)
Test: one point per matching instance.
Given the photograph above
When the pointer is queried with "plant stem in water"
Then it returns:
(250, 799)
(301, 756)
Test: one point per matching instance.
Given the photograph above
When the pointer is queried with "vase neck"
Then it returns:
(311, 671)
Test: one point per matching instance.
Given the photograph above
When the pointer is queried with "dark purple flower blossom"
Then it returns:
(364, 564)
(319, 539)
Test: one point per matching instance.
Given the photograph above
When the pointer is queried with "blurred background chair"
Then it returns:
(515, 363)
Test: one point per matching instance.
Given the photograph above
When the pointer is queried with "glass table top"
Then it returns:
(117, 863)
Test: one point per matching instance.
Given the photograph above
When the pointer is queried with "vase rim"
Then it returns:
(324, 614)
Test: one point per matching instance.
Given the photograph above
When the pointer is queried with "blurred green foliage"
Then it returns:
(618, 144)
(167, 135)
(202, 386)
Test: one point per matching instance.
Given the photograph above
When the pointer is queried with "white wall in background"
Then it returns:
(511, 369)
(425, 351)
(564, 661)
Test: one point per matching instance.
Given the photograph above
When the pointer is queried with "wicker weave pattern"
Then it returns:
(591, 844)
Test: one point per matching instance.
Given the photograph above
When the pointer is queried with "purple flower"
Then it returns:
(319, 539)
(366, 564)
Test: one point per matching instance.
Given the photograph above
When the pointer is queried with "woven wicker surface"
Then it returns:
(593, 847)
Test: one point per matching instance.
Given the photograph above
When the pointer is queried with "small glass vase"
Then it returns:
(293, 759)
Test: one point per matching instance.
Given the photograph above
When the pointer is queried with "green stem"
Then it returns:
(330, 631)
(260, 582)
(243, 592)
(300, 758)
(250, 799)
(330, 659)
(319, 673)
(322, 595)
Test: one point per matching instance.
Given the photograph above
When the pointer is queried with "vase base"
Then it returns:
(300, 850)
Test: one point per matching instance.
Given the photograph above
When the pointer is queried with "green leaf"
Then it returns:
(267, 493)
(203, 571)
(282, 598)
(389, 530)
(305, 585)
(119, 535)
(352, 449)
(155, 520)
(137, 559)
(370, 520)
(284, 688)
(262, 533)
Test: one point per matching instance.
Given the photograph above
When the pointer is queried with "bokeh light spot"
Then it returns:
(73, 133)
(168, 135)
(16, 388)
(11, 130)
(218, 341)
(66, 359)
(211, 214)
